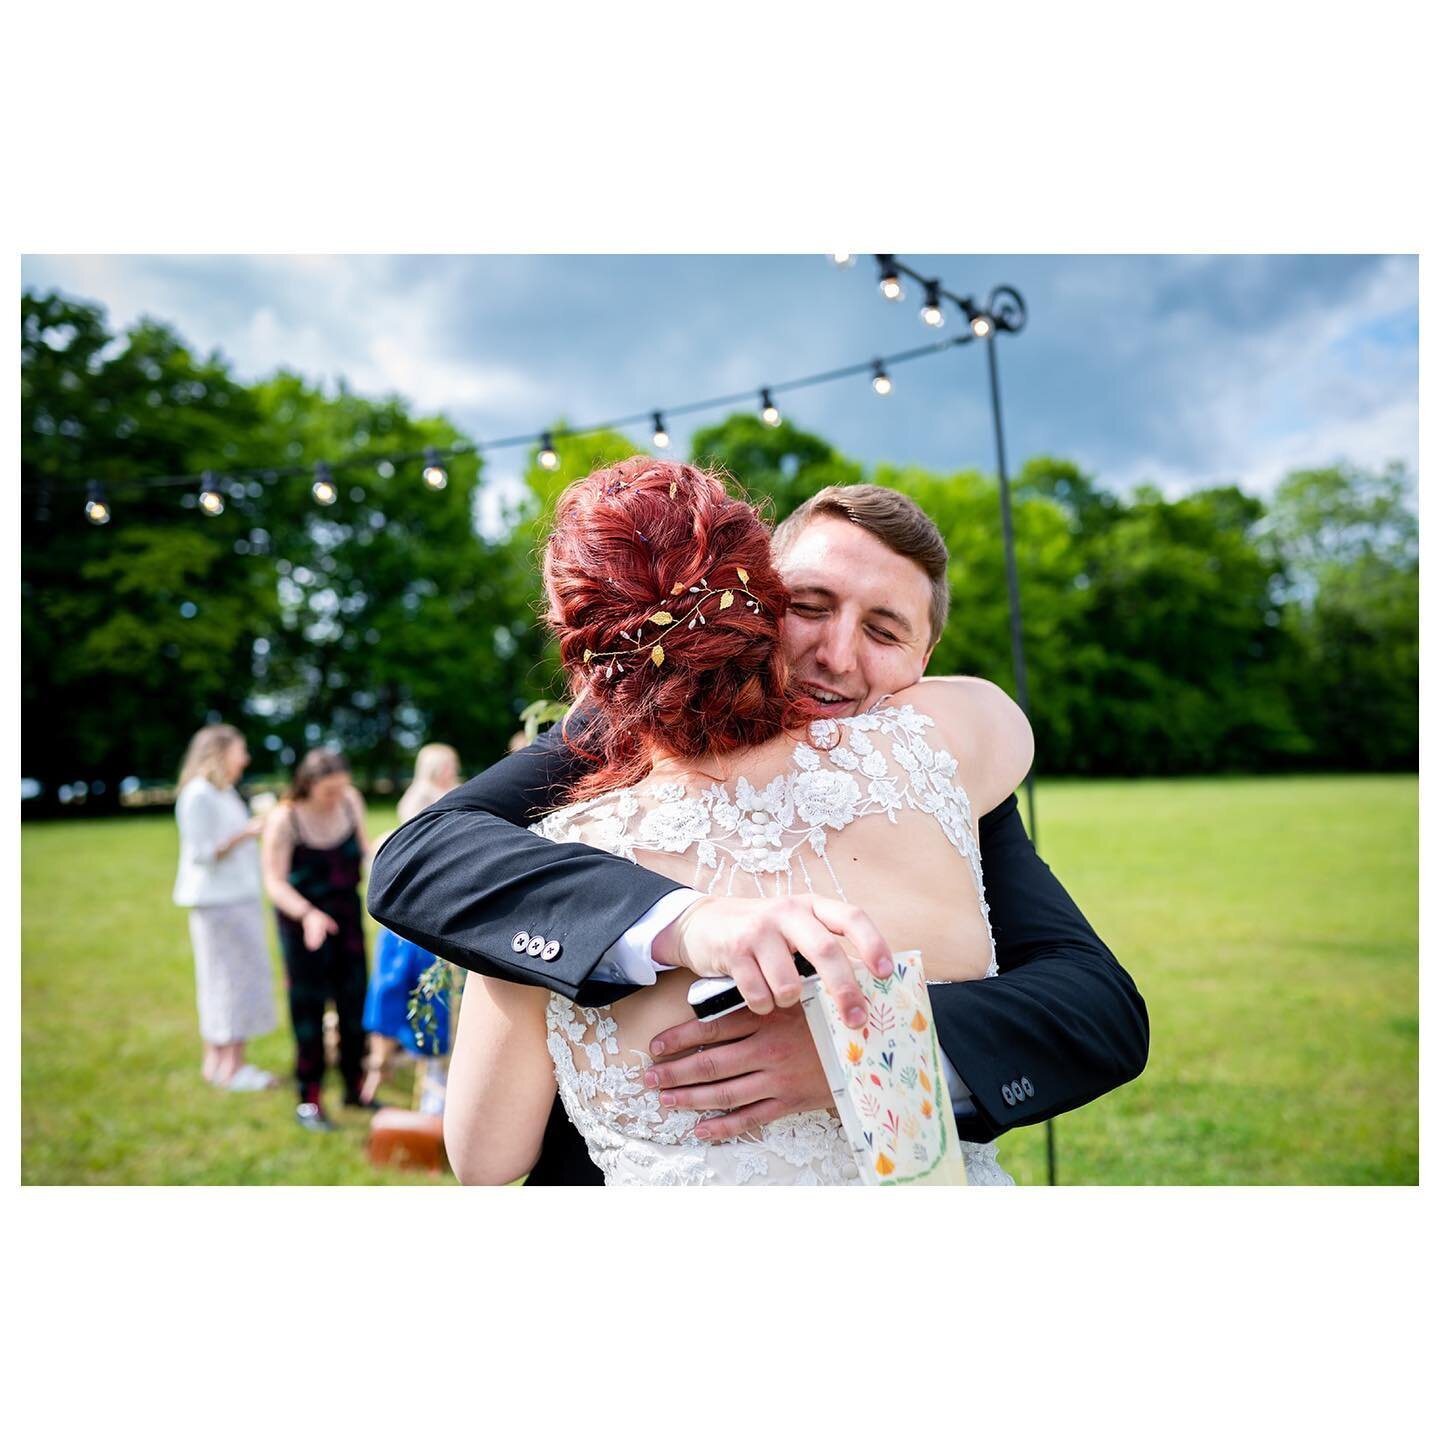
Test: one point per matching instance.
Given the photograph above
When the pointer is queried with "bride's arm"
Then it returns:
(501, 1085)
(983, 728)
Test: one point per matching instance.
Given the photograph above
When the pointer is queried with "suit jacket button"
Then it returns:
(1008, 1093)
(536, 945)
(551, 950)
(521, 940)
(1026, 1086)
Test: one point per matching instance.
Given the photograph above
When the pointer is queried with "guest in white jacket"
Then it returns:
(219, 880)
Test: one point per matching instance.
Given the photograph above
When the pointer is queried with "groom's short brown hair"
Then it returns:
(893, 519)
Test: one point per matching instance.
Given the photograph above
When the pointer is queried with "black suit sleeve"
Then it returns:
(462, 881)
(1061, 1015)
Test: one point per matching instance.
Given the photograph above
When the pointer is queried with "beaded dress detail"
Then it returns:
(750, 841)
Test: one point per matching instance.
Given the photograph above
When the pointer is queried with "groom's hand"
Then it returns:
(758, 1067)
(753, 942)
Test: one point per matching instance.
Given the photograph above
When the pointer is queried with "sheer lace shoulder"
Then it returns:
(765, 838)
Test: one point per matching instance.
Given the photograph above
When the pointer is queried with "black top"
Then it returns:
(317, 871)
(462, 881)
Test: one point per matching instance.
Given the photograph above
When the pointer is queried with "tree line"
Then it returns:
(1214, 632)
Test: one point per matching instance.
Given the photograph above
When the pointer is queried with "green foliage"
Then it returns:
(1162, 636)
(783, 464)
(1352, 540)
(374, 624)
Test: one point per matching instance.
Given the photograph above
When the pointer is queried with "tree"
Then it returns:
(1350, 539)
(373, 624)
(116, 651)
(781, 463)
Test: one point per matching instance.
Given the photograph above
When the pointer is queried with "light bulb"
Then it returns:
(981, 325)
(323, 490)
(769, 413)
(548, 458)
(889, 278)
(881, 384)
(930, 311)
(97, 511)
(212, 502)
(434, 472)
(661, 437)
(843, 261)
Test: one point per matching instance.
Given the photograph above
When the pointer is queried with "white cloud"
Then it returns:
(1187, 370)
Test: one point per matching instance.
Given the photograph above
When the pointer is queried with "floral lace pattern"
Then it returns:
(635, 1142)
(839, 777)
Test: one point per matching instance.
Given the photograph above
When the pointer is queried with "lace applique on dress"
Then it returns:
(636, 1142)
(840, 776)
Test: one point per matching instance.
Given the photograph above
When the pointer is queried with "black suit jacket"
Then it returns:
(1060, 1025)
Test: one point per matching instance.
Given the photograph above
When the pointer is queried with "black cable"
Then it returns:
(270, 474)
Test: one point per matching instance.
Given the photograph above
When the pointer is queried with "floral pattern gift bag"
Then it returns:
(887, 1078)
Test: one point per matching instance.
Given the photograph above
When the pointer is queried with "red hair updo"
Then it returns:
(668, 608)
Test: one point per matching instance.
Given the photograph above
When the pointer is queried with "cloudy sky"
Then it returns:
(1181, 370)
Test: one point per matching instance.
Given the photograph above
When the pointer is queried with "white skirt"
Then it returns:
(233, 987)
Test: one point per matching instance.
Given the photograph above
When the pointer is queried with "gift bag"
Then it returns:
(888, 1083)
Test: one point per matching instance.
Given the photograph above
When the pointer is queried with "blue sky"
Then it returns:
(1180, 370)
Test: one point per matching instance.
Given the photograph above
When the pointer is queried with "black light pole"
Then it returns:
(1005, 311)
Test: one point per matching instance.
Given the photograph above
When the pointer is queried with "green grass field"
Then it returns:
(1272, 926)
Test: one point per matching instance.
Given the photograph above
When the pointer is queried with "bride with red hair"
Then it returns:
(708, 766)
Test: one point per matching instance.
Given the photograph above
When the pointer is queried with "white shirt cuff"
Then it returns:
(959, 1090)
(629, 961)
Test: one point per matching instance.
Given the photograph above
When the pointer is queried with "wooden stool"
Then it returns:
(407, 1140)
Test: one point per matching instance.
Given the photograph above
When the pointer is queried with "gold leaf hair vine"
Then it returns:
(669, 623)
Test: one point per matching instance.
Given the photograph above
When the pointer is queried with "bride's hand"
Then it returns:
(753, 941)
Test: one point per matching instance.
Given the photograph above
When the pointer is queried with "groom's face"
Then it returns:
(858, 627)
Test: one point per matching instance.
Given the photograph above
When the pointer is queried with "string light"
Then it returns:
(434, 472)
(97, 508)
(980, 323)
(930, 311)
(844, 262)
(325, 489)
(881, 384)
(889, 278)
(212, 502)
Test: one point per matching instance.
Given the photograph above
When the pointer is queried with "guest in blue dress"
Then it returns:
(399, 963)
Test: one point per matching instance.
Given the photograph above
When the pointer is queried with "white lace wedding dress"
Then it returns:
(863, 771)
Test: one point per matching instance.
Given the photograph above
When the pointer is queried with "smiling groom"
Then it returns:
(1061, 1024)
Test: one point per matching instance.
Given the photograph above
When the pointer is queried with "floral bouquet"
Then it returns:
(887, 1079)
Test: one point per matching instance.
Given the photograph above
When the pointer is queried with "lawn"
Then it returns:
(1272, 926)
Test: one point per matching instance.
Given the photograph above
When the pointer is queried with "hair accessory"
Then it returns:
(613, 660)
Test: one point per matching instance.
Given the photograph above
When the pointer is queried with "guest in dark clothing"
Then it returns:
(312, 850)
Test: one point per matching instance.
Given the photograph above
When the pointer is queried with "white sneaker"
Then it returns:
(250, 1077)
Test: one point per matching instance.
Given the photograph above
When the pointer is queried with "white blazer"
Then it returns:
(207, 817)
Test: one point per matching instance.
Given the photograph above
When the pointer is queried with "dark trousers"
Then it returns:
(336, 971)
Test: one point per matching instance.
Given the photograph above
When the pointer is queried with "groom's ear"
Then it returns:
(925, 663)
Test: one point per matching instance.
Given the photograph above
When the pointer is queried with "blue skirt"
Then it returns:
(399, 964)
